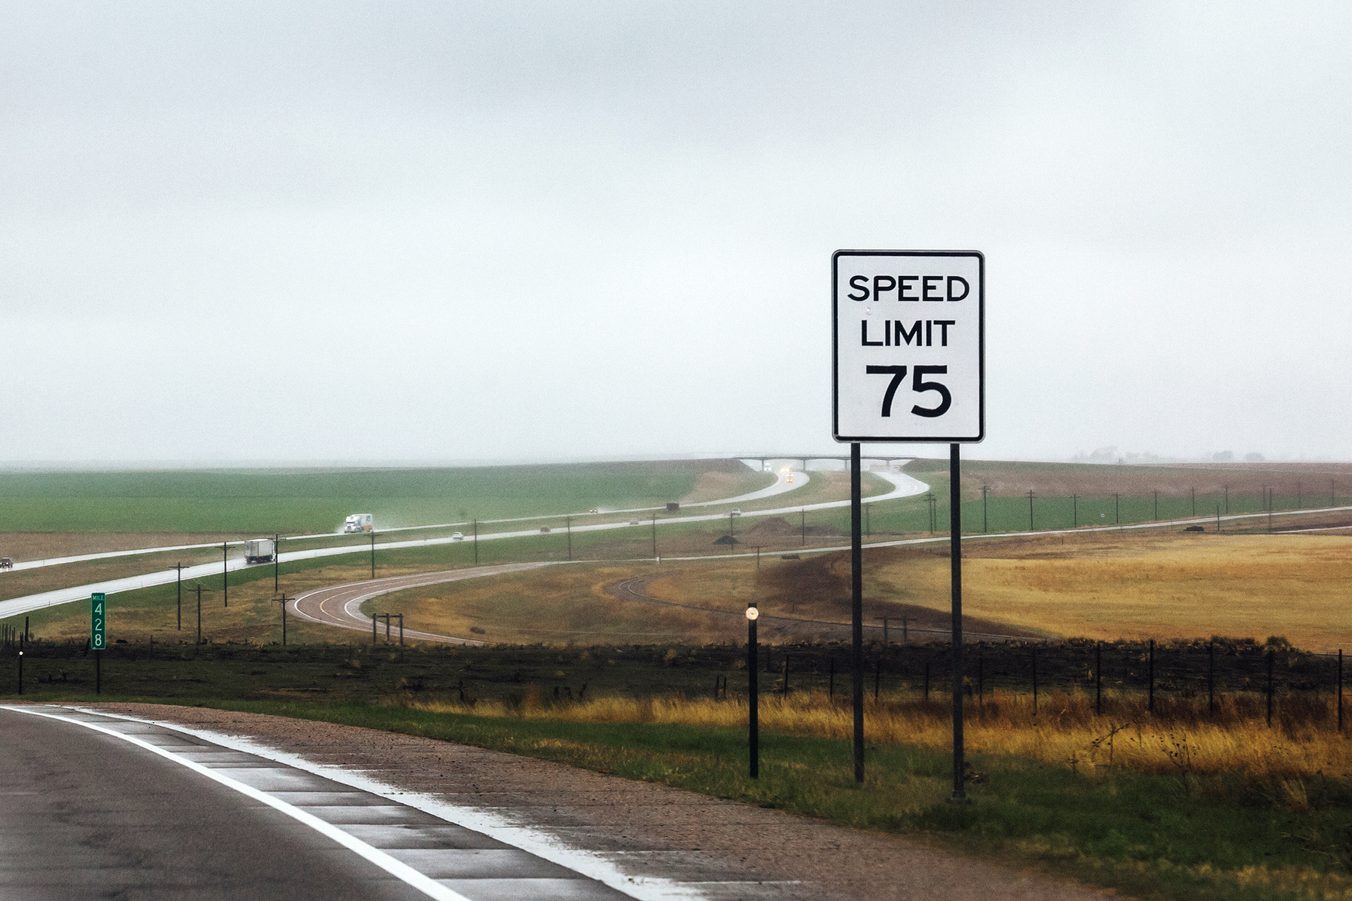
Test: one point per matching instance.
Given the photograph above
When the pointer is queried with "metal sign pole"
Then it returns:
(955, 552)
(857, 612)
(908, 365)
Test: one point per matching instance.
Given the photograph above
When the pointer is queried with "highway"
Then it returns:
(134, 809)
(902, 486)
(786, 481)
(145, 802)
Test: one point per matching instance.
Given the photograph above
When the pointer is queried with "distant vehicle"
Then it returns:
(1194, 529)
(457, 536)
(735, 513)
(672, 506)
(260, 550)
(633, 522)
(6, 563)
(594, 510)
(544, 528)
(359, 522)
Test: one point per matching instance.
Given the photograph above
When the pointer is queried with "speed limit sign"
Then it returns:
(909, 345)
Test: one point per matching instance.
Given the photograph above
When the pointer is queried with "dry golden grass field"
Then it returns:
(1121, 585)
(1148, 585)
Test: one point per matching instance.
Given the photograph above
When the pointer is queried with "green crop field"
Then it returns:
(315, 500)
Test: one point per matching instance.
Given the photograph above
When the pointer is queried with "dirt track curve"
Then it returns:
(340, 605)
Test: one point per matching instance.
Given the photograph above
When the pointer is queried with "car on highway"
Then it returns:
(457, 536)
(544, 529)
(633, 522)
(6, 563)
(735, 513)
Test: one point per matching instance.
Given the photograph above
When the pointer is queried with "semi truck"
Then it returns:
(359, 522)
(260, 550)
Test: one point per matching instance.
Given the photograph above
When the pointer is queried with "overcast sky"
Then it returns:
(245, 231)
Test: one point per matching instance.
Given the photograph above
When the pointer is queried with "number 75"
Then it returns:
(919, 384)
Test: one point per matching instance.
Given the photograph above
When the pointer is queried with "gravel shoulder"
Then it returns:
(721, 847)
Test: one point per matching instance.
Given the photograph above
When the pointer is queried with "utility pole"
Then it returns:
(198, 586)
(276, 561)
(225, 573)
(178, 595)
(283, 600)
(1030, 510)
(568, 527)
(373, 553)
(985, 520)
(476, 541)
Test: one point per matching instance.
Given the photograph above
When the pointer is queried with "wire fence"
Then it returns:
(1204, 678)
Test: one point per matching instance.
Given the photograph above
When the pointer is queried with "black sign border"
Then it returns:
(835, 346)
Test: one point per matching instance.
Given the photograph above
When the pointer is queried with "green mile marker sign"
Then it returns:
(98, 621)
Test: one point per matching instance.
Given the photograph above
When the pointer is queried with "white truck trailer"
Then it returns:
(260, 550)
(359, 522)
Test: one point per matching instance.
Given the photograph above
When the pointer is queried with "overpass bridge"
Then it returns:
(804, 459)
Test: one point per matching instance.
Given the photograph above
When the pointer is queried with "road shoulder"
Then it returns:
(723, 848)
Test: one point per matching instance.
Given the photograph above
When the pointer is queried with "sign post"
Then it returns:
(909, 365)
(753, 696)
(98, 635)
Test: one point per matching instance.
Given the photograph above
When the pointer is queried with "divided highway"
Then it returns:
(903, 486)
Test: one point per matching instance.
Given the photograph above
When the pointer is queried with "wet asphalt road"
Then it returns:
(84, 814)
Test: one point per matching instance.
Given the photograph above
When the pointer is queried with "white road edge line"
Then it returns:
(396, 868)
(533, 841)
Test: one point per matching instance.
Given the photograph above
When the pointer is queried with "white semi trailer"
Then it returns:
(260, 550)
(359, 522)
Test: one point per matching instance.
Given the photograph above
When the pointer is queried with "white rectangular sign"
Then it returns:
(909, 345)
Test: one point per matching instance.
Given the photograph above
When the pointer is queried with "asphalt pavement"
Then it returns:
(93, 806)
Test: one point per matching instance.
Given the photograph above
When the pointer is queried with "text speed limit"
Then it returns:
(909, 345)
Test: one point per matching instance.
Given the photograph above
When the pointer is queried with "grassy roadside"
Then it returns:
(1181, 835)
(1168, 806)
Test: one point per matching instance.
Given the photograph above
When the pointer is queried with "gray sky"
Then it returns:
(497, 231)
